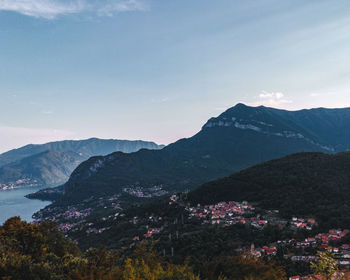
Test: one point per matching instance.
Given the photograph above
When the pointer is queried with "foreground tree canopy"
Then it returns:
(29, 251)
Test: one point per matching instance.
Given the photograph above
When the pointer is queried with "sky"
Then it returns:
(158, 69)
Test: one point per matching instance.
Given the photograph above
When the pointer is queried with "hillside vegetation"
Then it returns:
(34, 252)
(307, 184)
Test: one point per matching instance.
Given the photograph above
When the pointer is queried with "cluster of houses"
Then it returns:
(67, 220)
(264, 251)
(5, 187)
(145, 192)
(300, 223)
(73, 213)
(232, 212)
(258, 222)
(222, 213)
(18, 184)
(65, 227)
(324, 241)
(332, 235)
(70, 219)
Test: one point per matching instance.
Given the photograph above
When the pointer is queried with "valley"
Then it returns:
(266, 211)
(178, 200)
(174, 140)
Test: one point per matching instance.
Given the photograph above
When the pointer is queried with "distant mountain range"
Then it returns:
(239, 138)
(52, 163)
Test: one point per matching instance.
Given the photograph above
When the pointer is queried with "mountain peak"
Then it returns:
(240, 105)
(250, 117)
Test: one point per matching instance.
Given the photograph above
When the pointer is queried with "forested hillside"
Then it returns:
(308, 184)
(32, 252)
(239, 138)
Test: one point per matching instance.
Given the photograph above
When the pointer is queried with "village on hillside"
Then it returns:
(221, 214)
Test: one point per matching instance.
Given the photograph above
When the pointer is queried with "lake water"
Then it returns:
(13, 203)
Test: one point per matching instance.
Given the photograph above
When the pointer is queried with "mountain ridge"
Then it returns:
(240, 137)
(21, 167)
(84, 146)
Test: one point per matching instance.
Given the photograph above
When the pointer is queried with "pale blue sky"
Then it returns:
(158, 69)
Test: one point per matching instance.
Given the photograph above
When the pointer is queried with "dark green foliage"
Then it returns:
(35, 252)
(306, 184)
(243, 267)
(40, 252)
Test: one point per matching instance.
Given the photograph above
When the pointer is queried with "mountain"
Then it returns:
(48, 168)
(239, 138)
(305, 184)
(85, 148)
(51, 164)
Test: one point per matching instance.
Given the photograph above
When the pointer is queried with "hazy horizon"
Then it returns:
(157, 70)
(43, 141)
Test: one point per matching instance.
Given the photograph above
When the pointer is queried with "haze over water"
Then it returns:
(13, 203)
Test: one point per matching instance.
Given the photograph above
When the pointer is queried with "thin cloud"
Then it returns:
(271, 95)
(51, 9)
(161, 100)
(112, 7)
(272, 99)
(47, 9)
(47, 112)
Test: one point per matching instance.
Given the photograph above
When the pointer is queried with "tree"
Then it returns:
(31, 252)
(327, 266)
